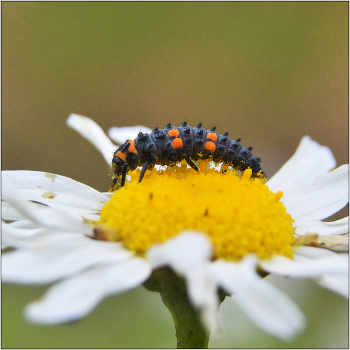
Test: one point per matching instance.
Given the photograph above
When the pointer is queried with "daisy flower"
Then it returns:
(193, 237)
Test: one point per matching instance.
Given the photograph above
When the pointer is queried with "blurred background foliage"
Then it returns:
(268, 72)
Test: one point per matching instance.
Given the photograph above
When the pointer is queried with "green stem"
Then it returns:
(190, 332)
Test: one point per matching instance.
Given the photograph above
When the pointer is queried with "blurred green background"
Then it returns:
(268, 72)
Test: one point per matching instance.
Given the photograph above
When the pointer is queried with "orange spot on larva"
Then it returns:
(173, 133)
(210, 146)
(212, 136)
(177, 143)
(132, 147)
(121, 155)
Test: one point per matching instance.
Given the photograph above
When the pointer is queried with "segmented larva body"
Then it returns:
(173, 144)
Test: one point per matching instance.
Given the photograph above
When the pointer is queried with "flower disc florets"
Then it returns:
(240, 215)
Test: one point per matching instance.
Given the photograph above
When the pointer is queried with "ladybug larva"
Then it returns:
(174, 144)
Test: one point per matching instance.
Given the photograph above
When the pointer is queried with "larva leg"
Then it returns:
(115, 184)
(144, 168)
(125, 169)
(191, 164)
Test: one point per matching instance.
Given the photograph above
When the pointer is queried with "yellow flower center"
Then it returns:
(240, 215)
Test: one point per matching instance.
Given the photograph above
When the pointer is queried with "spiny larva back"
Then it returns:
(174, 144)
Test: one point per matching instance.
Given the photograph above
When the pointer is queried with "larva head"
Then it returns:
(126, 153)
(254, 164)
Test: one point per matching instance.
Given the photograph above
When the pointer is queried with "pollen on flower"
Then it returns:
(240, 215)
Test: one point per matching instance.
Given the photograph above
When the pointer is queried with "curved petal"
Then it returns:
(72, 299)
(188, 254)
(8, 212)
(312, 253)
(91, 217)
(267, 307)
(24, 224)
(327, 195)
(15, 234)
(27, 237)
(338, 284)
(307, 267)
(323, 228)
(56, 256)
(338, 243)
(20, 232)
(56, 191)
(21, 241)
(44, 215)
(120, 135)
(309, 161)
(87, 128)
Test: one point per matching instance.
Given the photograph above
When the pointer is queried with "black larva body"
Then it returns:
(173, 144)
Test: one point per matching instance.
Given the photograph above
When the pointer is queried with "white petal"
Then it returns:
(327, 195)
(17, 237)
(92, 217)
(107, 194)
(323, 228)
(87, 128)
(72, 299)
(338, 284)
(188, 254)
(309, 161)
(56, 256)
(20, 232)
(191, 246)
(23, 224)
(44, 215)
(307, 267)
(5, 243)
(338, 243)
(15, 234)
(313, 253)
(270, 309)
(120, 135)
(57, 191)
(8, 212)
(327, 268)
(17, 241)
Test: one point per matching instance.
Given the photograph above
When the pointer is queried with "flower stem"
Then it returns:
(190, 332)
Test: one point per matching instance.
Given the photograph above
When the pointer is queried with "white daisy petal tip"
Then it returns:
(56, 191)
(120, 135)
(74, 118)
(323, 228)
(266, 306)
(43, 215)
(81, 123)
(75, 297)
(308, 142)
(324, 197)
(309, 161)
(90, 130)
(38, 314)
(337, 284)
(308, 262)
